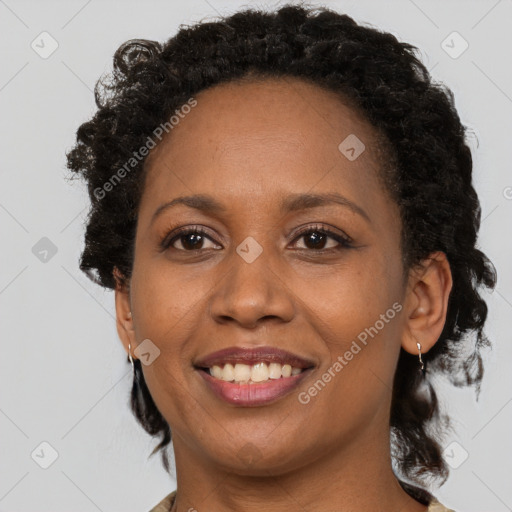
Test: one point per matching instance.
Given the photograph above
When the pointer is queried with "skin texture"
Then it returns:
(250, 145)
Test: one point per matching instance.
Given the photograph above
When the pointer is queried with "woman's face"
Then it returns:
(265, 275)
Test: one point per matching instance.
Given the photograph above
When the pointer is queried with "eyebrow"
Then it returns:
(294, 202)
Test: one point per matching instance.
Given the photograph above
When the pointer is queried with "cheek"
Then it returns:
(168, 307)
(177, 404)
(348, 299)
(358, 317)
(357, 314)
(167, 299)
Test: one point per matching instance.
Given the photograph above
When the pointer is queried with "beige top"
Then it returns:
(166, 504)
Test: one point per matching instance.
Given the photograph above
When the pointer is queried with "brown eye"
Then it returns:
(316, 238)
(191, 239)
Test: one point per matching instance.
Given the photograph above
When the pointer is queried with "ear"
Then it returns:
(124, 320)
(428, 290)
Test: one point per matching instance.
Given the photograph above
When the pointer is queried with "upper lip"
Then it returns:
(251, 356)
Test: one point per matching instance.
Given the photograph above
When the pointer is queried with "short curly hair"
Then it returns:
(431, 178)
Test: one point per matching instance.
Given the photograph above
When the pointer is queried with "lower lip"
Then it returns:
(253, 395)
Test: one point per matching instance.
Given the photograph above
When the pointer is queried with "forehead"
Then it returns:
(280, 110)
(263, 136)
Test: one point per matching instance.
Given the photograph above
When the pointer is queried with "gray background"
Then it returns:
(64, 376)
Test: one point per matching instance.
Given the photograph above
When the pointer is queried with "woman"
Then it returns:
(282, 202)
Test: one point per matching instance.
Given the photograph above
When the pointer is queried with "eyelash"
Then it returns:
(344, 241)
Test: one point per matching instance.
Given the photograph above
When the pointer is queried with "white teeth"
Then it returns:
(242, 372)
(216, 371)
(259, 372)
(274, 370)
(228, 372)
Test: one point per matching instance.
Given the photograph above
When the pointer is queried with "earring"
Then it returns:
(422, 368)
(130, 356)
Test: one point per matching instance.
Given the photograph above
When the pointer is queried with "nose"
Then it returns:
(251, 293)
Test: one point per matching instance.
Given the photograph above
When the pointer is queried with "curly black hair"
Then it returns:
(431, 179)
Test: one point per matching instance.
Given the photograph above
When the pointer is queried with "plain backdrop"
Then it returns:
(64, 377)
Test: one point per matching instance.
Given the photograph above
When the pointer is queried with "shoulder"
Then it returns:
(166, 504)
(435, 506)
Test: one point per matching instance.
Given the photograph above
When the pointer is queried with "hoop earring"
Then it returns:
(422, 368)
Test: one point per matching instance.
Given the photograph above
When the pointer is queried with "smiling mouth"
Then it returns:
(251, 377)
(255, 373)
(254, 385)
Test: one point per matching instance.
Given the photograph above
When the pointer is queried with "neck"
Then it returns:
(351, 478)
